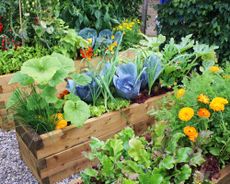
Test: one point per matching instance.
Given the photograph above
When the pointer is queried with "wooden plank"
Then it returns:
(81, 164)
(69, 157)
(28, 158)
(30, 137)
(72, 135)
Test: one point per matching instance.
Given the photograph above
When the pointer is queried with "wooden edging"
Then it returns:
(6, 117)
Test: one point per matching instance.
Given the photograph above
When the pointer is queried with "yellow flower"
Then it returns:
(186, 114)
(191, 132)
(214, 69)
(112, 37)
(180, 93)
(218, 104)
(203, 99)
(61, 124)
(226, 76)
(220, 100)
(203, 113)
(112, 46)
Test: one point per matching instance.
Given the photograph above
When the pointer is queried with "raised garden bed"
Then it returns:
(58, 154)
(6, 118)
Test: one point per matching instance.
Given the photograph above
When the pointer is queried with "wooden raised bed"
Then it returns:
(58, 154)
(6, 117)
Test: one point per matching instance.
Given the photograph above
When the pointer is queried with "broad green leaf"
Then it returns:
(150, 178)
(127, 181)
(214, 151)
(58, 77)
(132, 166)
(66, 63)
(41, 70)
(76, 112)
(183, 174)
(167, 163)
(22, 79)
(96, 144)
(72, 97)
(49, 94)
(81, 79)
(183, 154)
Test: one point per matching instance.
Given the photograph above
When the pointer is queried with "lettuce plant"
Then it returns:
(126, 81)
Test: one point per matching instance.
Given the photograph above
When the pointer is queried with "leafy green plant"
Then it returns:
(97, 14)
(12, 60)
(199, 97)
(127, 158)
(206, 20)
(46, 73)
(70, 44)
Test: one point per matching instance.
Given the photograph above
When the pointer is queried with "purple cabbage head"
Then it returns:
(126, 81)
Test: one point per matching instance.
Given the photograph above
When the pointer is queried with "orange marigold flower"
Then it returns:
(214, 69)
(87, 53)
(61, 124)
(180, 93)
(203, 99)
(191, 132)
(186, 114)
(63, 93)
(203, 113)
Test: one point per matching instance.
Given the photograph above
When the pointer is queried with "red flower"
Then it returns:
(87, 53)
(63, 94)
(1, 27)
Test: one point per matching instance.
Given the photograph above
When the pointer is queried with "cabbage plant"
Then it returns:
(126, 81)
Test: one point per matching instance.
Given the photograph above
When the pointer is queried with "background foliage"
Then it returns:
(98, 14)
(208, 21)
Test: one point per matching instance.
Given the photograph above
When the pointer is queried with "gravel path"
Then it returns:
(12, 168)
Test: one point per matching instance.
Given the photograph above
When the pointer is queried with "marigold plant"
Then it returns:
(180, 93)
(203, 113)
(203, 99)
(191, 132)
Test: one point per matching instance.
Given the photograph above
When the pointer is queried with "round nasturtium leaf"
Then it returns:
(41, 70)
(77, 112)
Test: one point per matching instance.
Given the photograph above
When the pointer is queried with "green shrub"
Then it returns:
(97, 14)
(208, 21)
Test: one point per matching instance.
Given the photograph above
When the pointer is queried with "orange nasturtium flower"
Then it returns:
(87, 53)
(218, 104)
(61, 124)
(180, 93)
(203, 99)
(203, 113)
(186, 114)
(214, 69)
(191, 132)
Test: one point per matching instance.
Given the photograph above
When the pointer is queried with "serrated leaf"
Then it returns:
(172, 144)
(197, 159)
(167, 163)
